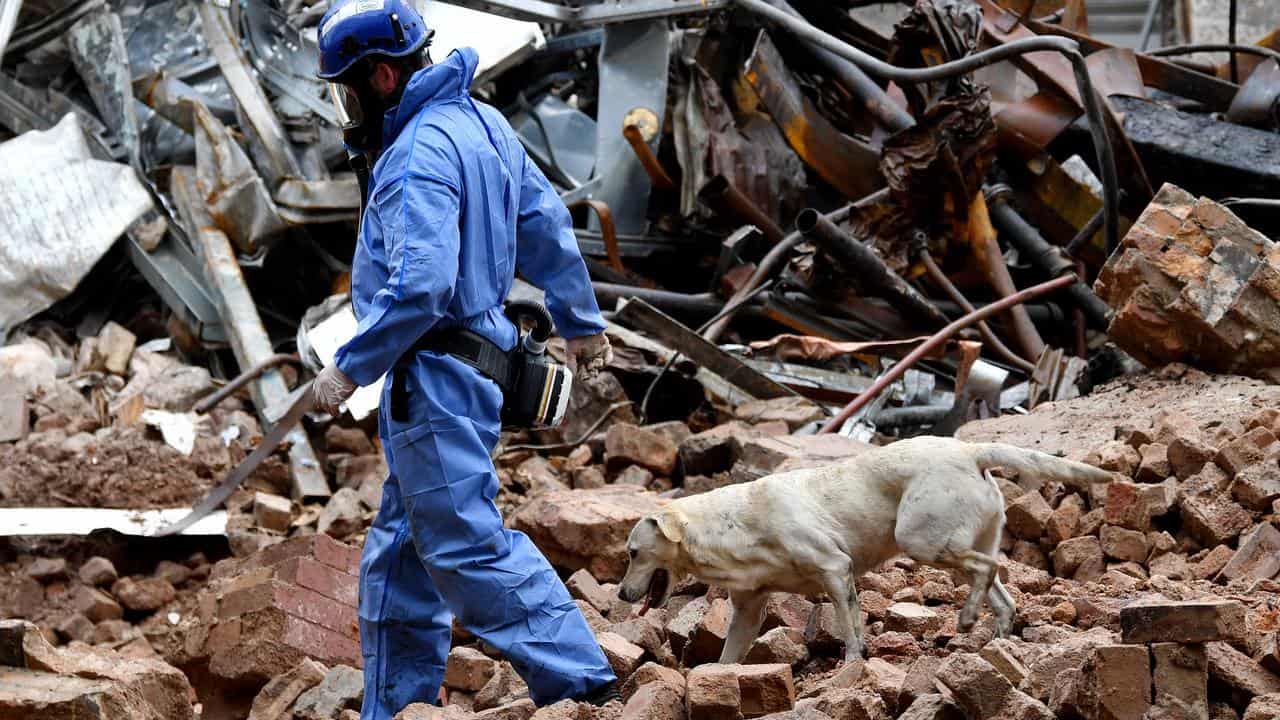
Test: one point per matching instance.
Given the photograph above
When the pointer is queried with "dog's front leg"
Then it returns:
(748, 616)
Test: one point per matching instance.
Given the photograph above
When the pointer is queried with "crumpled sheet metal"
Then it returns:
(934, 32)
(752, 154)
(99, 55)
(61, 211)
(230, 187)
(845, 162)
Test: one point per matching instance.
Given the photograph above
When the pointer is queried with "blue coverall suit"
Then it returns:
(456, 206)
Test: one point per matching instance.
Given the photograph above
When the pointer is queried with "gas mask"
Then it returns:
(360, 115)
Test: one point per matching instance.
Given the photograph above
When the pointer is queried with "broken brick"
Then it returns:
(1257, 486)
(1026, 516)
(1238, 671)
(1127, 506)
(1194, 621)
(1258, 556)
(711, 693)
(1180, 675)
(1123, 544)
(468, 670)
(1154, 465)
(1213, 520)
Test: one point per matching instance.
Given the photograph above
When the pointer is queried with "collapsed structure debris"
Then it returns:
(813, 228)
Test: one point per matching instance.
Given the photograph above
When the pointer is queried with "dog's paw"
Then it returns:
(856, 653)
(966, 621)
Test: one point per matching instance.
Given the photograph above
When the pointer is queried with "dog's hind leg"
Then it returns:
(844, 598)
(1003, 606)
(982, 569)
(748, 616)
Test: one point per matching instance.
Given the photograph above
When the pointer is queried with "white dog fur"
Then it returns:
(816, 531)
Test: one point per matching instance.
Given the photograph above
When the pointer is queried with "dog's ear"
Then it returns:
(671, 524)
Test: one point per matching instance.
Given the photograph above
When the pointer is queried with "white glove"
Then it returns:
(331, 388)
(588, 354)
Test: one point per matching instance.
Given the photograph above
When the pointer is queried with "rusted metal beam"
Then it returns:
(249, 339)
(648, 319)
(848, 164)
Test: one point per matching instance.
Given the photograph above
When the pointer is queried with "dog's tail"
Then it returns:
(1074, 475)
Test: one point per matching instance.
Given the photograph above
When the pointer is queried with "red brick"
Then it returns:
(712, 693)
(1180, 677)
(319, 546)
(324, 579)
(1154, 466)
(1116, 683)
(1127, 506)
(765, 689)
(1258, 556)
(292, 599)
(1245, 450)
(1213, 520)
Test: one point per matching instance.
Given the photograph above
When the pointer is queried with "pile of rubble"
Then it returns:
(812, 230)
(1147, 597)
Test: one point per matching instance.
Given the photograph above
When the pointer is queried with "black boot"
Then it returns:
(602, 695)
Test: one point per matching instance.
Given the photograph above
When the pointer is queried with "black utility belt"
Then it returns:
(535, 389)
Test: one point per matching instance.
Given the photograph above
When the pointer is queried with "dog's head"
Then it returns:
(654, 547)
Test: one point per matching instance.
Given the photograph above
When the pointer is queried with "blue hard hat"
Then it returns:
(355, 29)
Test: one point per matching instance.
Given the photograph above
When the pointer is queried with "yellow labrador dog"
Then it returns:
(815, 531)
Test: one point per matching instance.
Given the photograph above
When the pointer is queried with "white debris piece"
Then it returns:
(58, 221)
(177, 429)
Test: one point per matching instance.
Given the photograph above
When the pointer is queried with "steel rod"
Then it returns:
(900, 368)
(210, 401)
(941, 280)
(722, 195)
(657, 174)
(1194, 48)
(1034, 248)
(871, 96)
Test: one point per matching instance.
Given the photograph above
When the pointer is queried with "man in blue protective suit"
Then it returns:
(455, 207)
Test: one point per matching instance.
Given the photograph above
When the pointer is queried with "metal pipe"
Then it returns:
(937, 339)
(1193, 48)
(871, 270)
(721, 195)
(210, 401)
(657, 174)
(1090, 229)
(608, 231)
(871, 96)
(910, 415)
(778, 253)
(941, 280)
(1089, 97)
(1232, 17)
(987, 250)
(1148, 22)
(1032, 246)
(707, 304)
